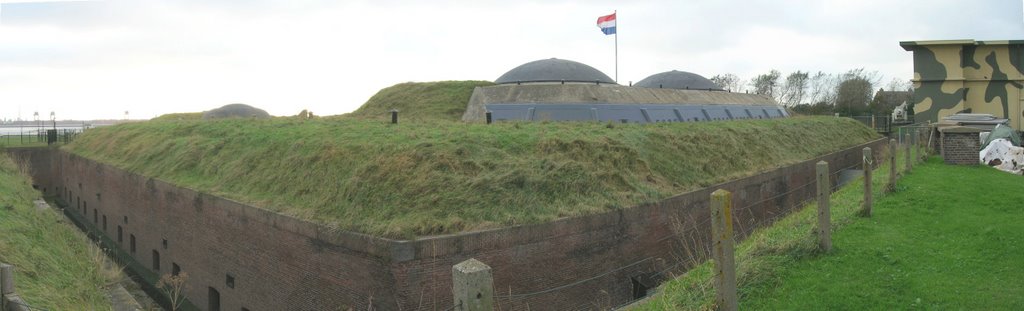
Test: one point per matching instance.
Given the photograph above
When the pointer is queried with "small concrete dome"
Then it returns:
(236, 111)
(680, 80)
(554, 70)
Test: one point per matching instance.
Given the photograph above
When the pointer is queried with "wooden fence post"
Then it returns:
(868, 159)
(721, 238)
(824, 215)
(916, 145)
(907, 149)
(473, 286)
(892, 165)
(922, 154)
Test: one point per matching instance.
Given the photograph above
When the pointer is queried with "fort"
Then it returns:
(244, 257)
(351, 212)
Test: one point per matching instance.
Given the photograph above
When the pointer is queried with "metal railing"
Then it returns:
(39, 138)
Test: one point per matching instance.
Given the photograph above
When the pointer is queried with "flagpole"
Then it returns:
(616, 45)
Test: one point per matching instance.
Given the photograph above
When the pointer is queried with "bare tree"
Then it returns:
(173, 286)
(897, 84)
(822, 89)
(794, 89)
(767, 84)
(729, 82)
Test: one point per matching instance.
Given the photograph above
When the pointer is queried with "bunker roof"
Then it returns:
(680, 80)
(236, 111)
(554, 70)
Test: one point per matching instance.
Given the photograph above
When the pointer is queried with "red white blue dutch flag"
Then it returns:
(607, 24)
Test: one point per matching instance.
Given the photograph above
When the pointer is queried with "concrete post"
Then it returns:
(892, 165)
(723, 252)
(6, 279)
(18, 304)
(824, 215)
(866, 211)
(473, 286)
(907, 149)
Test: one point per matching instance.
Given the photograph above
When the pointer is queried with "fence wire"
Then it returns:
(693, 231)
(692, 234)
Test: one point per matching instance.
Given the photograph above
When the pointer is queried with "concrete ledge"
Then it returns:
(13, 302)
(122, 300)
(959, 129)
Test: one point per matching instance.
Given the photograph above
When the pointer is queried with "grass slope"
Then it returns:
(56, 267)
(442, 100)
(926, 247)
(443, 177)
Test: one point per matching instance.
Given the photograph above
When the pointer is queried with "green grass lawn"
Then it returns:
(56, 267)
(948, 238)
(424, 178)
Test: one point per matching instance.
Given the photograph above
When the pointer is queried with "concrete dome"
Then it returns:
(236, 111)
(554, 70)
(680, 80)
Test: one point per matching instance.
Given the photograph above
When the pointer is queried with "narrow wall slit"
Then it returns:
(156, 260)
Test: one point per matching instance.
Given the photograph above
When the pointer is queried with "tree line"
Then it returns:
(854, 92)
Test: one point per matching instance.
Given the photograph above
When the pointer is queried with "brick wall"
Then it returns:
(593, 260)
(277, 262)
(961, 148)
(281, 263)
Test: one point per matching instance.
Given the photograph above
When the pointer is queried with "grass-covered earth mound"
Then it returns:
(423, 178)
(441, 100)
(180, 116)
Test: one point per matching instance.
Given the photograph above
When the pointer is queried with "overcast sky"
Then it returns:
(97, 59)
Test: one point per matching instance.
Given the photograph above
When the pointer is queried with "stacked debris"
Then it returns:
(1002, 150)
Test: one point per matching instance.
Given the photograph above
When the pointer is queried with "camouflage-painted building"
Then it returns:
(951, 76)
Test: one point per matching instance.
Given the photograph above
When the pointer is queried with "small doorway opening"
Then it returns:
(214, 301)
(640, 285)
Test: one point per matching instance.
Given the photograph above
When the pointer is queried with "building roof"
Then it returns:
(554, 70)
(680, 80)
(909, 45)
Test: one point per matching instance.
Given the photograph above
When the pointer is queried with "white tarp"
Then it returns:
(1003, 155)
